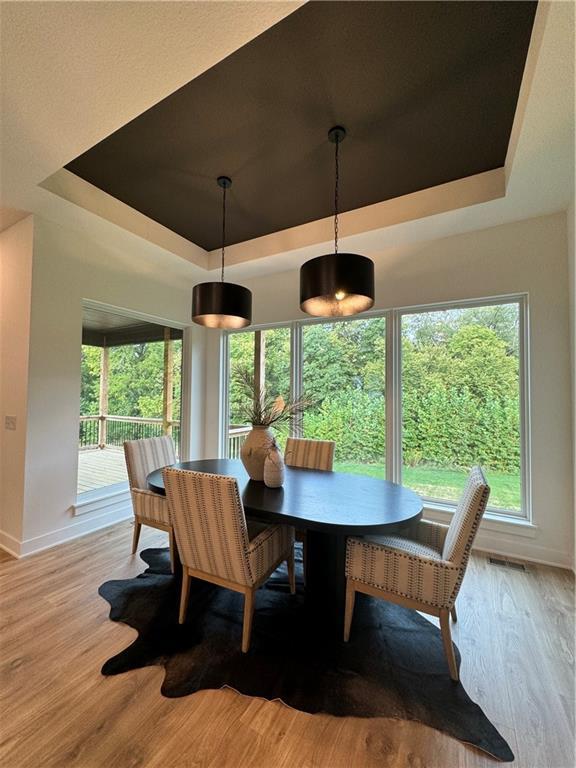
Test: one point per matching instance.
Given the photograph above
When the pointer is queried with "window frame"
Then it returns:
(521, 300)
(393, 387)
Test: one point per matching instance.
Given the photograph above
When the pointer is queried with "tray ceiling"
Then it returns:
(426, 90)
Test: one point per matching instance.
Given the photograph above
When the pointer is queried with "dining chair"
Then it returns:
(216, 543)
(423, 571)
(143, 457)
(308, 454)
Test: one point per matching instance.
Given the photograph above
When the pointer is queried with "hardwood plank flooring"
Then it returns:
(515, 632)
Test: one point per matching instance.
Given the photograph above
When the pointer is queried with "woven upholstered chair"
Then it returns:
(143, 457)
(424, 571)
(216, 543)
(308, 454)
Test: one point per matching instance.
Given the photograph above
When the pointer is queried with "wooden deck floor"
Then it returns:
(515, 631)
(99, 468)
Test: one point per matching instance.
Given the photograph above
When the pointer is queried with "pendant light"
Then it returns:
(337, 284)
(222, 305)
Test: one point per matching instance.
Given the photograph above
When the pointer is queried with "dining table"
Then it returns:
(328, 506)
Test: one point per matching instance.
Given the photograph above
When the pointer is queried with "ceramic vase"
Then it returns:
(254, 451)
(274, 467)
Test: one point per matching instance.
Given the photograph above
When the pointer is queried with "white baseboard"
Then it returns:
(524, 550)
(9, 544)
(75, 530)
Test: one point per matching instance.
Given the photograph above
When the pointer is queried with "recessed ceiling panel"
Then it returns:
(426, 90)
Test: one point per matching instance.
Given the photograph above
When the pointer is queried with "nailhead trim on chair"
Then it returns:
(420, 571)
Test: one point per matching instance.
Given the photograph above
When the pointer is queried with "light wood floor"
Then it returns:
(99, 468)
(515, 631)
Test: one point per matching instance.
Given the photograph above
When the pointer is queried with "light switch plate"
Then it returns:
(10, 422)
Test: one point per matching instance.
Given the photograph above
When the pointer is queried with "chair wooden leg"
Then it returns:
(248, 614)
(136, 536)
(172, 549)
(448, 645)
(184, 596)
(349, 610)
(291, 572)
(453, 613)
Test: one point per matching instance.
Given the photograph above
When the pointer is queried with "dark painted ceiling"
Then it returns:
(426, 90)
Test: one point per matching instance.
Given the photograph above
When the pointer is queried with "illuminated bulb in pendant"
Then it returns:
(339, 295)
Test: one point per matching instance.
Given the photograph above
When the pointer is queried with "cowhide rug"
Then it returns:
(394, 665)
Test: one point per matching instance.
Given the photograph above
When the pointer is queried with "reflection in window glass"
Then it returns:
(343, 374)
(461, 401)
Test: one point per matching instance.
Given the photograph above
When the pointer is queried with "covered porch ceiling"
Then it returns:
(101, 328)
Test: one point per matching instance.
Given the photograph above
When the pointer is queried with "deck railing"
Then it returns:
(117, 429)
(236, 436)
(103, 431)
(89, 431)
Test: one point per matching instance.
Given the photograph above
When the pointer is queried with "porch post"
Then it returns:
(104, 363)
(168, 383)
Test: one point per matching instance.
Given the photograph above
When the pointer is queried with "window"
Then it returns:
(461, 401)
(343, 374)
(416, 395)
(129, 391)
(265, 355)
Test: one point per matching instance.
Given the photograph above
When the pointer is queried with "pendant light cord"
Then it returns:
(336, 185)
(223, 229)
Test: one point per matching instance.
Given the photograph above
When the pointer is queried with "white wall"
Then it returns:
(15, 295)
(68, 266)
(526, 256)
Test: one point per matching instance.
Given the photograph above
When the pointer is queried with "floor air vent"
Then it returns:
(507, 563)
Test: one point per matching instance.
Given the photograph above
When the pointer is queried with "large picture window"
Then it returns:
(461, 401)
(415, 395)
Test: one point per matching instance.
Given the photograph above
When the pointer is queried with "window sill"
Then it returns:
(516, 526)
(100, 499)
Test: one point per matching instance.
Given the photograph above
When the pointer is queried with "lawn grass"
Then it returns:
(445, 483)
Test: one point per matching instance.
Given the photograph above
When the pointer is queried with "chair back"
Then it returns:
(144, 456)
(466, 520)
(209, 524)
(309, 454)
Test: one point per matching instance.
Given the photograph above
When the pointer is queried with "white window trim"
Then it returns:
(83, 501)
(521, 299)
(224, 393)
(442, 513)
(521, 522)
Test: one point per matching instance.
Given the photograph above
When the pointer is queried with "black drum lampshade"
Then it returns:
(337, 284)
(220, 304)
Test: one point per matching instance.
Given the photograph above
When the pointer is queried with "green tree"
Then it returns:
(135, 380)
(90, 381)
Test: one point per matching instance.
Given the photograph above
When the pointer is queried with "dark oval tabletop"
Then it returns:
(333, 502)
